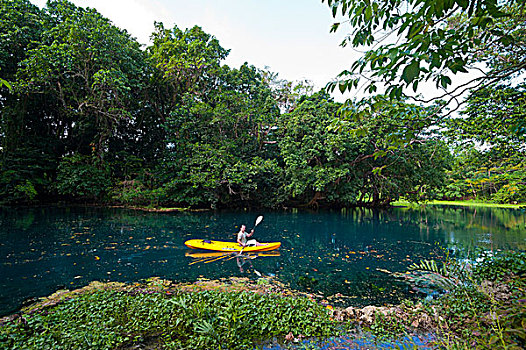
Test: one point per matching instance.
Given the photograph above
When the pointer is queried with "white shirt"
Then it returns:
(242, 237)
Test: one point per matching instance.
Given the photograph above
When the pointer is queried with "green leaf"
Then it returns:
(368, 13)
(6, 84)
(415, 29)
(445, 81)
(463, 3)
(415, 85)
(334, 27)
(411, 72)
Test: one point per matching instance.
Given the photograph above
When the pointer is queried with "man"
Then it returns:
(243, 235)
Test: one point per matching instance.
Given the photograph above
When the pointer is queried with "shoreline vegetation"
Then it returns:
(396, 204)
(479, 306)
(91, 116)
(399, 203)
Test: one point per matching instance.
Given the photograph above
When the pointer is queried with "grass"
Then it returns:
(467, 203)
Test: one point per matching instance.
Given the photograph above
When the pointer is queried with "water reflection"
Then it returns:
(345, 252)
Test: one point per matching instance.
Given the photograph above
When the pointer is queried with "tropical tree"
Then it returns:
(75, 78)
(86, 114)
(89, 68)
(490, 142)
(286, 93)
(317, 161)
(21, 24)
(185, 61)
(19, 27)
(23, 166)
(219, 152)
(330, 160)
(407, 158)
(495, 116)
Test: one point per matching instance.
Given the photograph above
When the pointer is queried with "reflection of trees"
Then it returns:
(318, 243)
(19, 222)
(339, 251)
(493, 228)
(20, 219)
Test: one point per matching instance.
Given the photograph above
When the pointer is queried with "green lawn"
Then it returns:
(404, 203)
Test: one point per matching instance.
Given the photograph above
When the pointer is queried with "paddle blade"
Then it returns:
(258, 220)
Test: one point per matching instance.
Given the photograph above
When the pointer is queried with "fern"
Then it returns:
(205, 328)
(447, 276)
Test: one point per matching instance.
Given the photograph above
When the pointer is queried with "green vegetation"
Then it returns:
(412, 42)
(475, 306)
(109, 317)
(466, 203)
(87, 115)
(487, 308)
(494, 117)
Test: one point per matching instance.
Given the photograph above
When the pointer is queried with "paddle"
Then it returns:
(202, 259)
(258, 221)
(219, 258)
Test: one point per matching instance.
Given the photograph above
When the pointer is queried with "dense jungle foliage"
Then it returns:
(89, 115)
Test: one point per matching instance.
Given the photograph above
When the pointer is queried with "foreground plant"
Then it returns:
(109, 319)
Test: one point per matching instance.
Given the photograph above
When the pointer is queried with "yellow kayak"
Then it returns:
(221, 246)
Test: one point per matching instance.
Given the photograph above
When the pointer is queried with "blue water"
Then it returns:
(363, 342)
(327, 252)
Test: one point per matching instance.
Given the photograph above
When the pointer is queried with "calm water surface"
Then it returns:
(44, 249)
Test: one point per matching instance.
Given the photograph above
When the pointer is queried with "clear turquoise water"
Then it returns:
(326, 252)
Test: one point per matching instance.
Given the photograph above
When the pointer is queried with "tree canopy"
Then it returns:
(414, 41)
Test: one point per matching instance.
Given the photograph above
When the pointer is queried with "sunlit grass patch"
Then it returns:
(467, 203)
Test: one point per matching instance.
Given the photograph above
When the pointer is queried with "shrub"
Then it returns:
(82, 177)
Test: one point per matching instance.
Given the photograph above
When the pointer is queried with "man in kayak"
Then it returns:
(242, 238)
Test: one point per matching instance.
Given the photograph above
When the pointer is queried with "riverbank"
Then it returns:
(161, 209)
(399, 203)
(233, 313)
(482, 308)
(154, 209)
